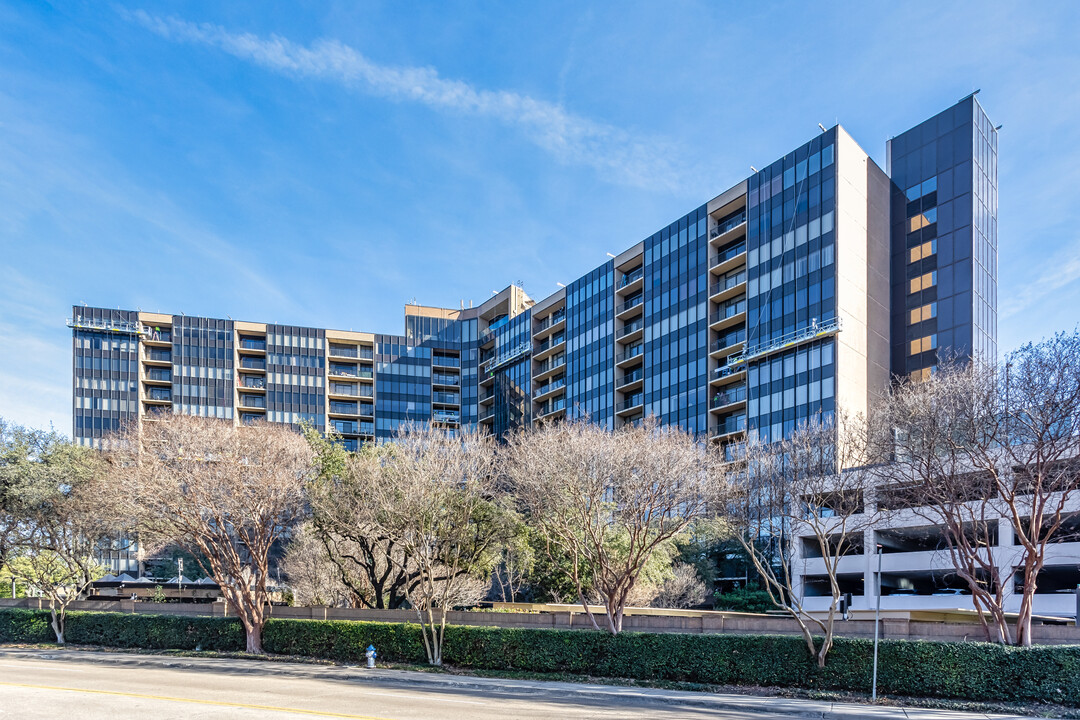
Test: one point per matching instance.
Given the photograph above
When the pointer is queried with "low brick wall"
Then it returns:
(713, 623)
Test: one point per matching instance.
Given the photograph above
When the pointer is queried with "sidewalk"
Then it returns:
(496, 686)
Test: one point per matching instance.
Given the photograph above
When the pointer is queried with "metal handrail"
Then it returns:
(789, 340)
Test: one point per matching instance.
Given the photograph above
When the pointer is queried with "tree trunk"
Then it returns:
(57, 625)
(253, 631)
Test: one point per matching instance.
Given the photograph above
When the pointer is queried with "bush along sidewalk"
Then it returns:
(969, 671)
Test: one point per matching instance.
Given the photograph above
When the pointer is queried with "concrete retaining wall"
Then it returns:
(711, 622)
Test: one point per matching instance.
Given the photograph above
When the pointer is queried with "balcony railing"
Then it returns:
(344, 351)
(631, 352)
(631, 402)
(440, 379)
(728, 339)
(160, 355)
(628, 328)
(348, 408)
(729, 224)
(548, 387)
(550, 342)
(553, 319)
(446, 416)
(729, 309)
(344, 370)
(631, 303)
(631, 377)
(252, 382)
(366, 409)
(728, 396)
(253, 401)
(552, 406)
(632, 276)
(727, 282)
(252, 344)
(159, 374)
(725, 255)
(159, 394)
(343, 389)
(249, 418)
(345, 426)
(445, 361)
(551, 363)
(446, 398)
(730, 424)
(366, 391)
(157, 335)
(489, 413)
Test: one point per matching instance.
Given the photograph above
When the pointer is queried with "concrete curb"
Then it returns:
(416, 680)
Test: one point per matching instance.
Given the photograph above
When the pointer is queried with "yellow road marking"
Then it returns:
(217, 703)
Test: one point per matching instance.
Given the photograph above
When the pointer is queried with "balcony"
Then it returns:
(257, 382)
(550, 321)
(727, 255)
(727, 312)
(344, 389)
(632, 403)
(542, 390)
(160, 394)
(344, 408)
(344, 370)
(727, 225)
(444, 398)
(366, 409)
(347, 427)
(154, 335)
(632, 352)
(448, 380)
(728, 425)
(630, 328)
(727, 285)
(630, 378)
(549, 365)
(632, 277)
(728, 396)
(247, 343)
(155, 355)
(348, 351)
(445, 361)
(629, 305)
(551, 407)
(250, 363)
(729, 341)
(550, 343)
(159, 375)
(446, 416)
(253, 401)
(487, 414)
(251, 418)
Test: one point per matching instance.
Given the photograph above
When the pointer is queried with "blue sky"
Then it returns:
(325, 163)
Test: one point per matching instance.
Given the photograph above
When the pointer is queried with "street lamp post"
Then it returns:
(180, 578)
(877, 625)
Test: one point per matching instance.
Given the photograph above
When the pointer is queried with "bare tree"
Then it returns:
(434, 496)
(989, 448)
(608, 501)
(926, 432)
(60, 507)
(682, 589)
(312, 576)
(808, 488)
(222, 492)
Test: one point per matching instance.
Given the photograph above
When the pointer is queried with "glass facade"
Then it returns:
(791, 286)
(944, 239)
(676, 334)
(724, 321)
(590, 349)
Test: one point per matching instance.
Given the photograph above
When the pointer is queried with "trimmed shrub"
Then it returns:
(973, 671)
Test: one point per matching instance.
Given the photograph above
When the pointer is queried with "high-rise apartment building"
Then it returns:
(803, 287)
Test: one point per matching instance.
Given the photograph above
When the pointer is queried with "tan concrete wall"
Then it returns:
(710, 623)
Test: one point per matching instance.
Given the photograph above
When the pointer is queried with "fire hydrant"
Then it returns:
(371, 655)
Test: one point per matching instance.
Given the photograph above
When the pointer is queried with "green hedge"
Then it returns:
(975, 671)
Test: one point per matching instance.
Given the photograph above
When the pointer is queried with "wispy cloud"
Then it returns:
(1060, 271)
(620, 155)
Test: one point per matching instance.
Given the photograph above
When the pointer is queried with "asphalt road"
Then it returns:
(78, 684)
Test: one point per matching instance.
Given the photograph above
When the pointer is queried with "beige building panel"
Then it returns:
(550, 301)
(242, 326)
(726, 197)
(350, 336)
(627, 255)
(147, 318)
